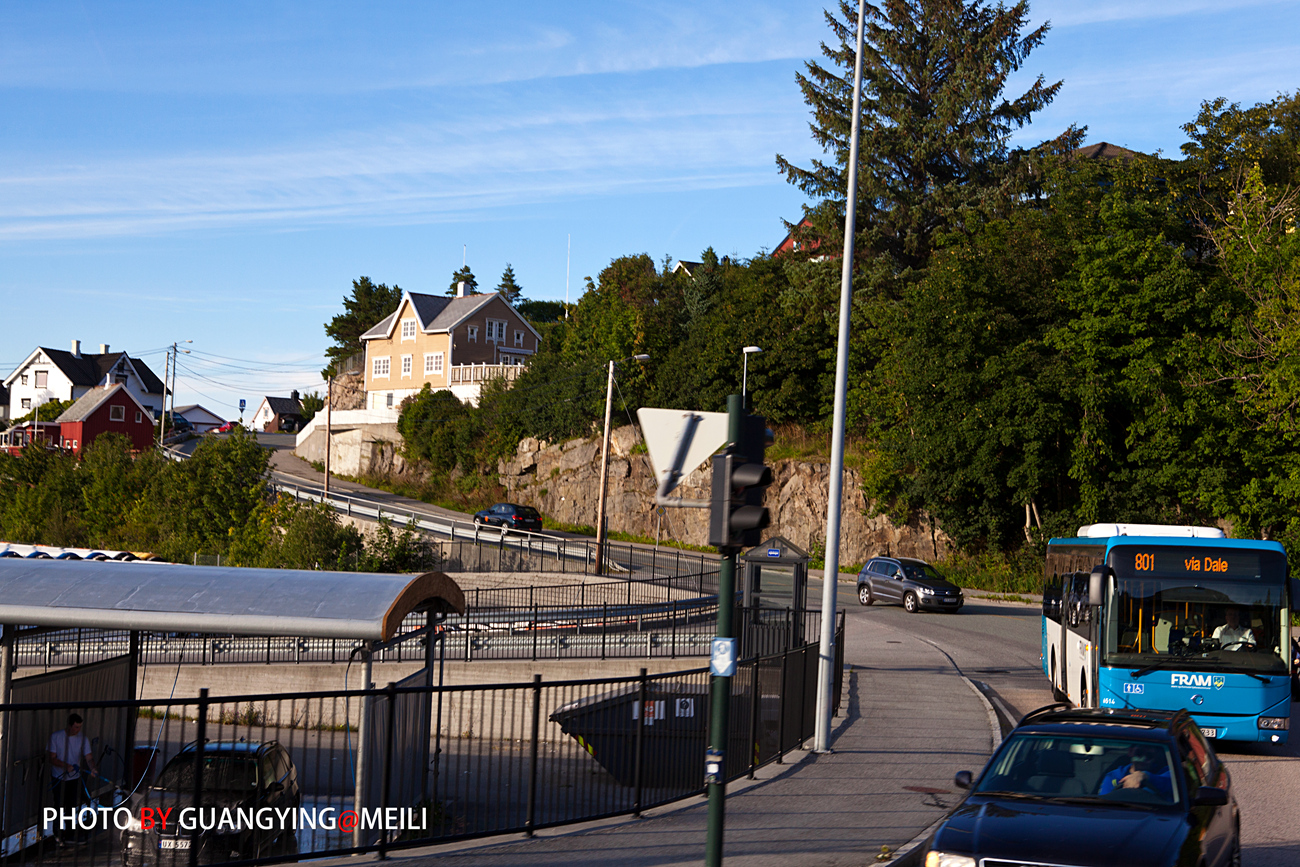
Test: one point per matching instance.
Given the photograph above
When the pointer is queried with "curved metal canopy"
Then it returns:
(166, 597)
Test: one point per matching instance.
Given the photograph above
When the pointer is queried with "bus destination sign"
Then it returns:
(1179, 562)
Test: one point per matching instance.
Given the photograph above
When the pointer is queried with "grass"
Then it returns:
(614, 535)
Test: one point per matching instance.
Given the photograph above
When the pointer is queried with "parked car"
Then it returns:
(1095, 786)
(226, 428)
(511, 517)
(236, 774)
(914, 584)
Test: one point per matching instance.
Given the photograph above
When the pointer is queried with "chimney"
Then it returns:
(460, 289)
(293, 395)
(103, 349)
(76, 349)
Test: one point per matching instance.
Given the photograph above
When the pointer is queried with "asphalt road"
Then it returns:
(997, 645)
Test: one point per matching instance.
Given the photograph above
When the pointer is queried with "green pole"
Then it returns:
(720, 687)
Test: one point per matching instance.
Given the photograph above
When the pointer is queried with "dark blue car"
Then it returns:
(1091, 787)
(511, 517)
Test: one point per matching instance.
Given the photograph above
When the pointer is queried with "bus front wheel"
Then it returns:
(1083, 692)
(1057, 694)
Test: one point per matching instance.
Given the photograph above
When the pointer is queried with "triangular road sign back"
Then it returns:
(664, 430)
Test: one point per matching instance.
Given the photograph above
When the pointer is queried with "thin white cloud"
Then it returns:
(1070, 13)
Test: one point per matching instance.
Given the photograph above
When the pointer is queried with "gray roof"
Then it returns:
(86, 405)
(283, 405)
(217, 599)
(434, 312)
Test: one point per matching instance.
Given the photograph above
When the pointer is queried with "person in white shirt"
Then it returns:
(1232, 635)
(67, 748)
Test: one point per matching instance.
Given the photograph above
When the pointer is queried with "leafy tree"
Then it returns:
(435, 426)
(363, 310)
(509, 289)
(935, 124)
(466, 276)
(538, 312)
(312, 402)
(48, 411)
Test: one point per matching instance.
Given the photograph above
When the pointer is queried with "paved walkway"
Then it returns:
(911, 722)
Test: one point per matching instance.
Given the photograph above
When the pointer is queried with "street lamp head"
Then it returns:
(750, 350)
(642, 357)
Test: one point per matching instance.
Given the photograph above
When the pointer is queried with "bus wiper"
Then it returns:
(1145, 670)
(1200, 663)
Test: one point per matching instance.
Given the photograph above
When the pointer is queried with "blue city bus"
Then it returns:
(1166, 618)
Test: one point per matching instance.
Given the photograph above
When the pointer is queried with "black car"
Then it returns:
(510, 516)
(237, 775)
(1087, 787)
(914, 584)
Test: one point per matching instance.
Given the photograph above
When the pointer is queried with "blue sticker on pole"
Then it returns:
(774, 552)
(722, 657)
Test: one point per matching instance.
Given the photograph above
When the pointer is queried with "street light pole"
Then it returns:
(604, 466)
(744, 379)
(830, 575)
(329, 402)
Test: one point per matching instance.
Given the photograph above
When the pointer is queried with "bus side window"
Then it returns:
(1052, 597)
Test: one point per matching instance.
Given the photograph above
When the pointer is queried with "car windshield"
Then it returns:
(1230, 618)
(224, 773)
(921, 572)
(1062, 767)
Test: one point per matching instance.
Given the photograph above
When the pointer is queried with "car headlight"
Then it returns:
(1275, 723)
(928, 591)
(947, 859)
(134, 824)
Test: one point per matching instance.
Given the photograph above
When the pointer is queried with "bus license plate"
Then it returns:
(1209, 732)
(178, 843)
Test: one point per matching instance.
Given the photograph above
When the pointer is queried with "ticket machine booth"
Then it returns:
(776, 574)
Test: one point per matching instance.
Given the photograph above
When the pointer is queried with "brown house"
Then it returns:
(450, 343)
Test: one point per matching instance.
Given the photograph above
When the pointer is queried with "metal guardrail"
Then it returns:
(445, 763)
(538, 552)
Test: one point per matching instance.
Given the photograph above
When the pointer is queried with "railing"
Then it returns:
(485, 372)
(427, 764)
(680, 628)
(469, 547)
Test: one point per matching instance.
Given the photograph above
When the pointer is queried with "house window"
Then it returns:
(121, 377)
(390, 400)
(27, 401)
(380, 367)
(432, 363)
(406, 366)
(23, 379)
(117, 413)
(519, 339)
(473, 338)
(42, 378)
(408, 329)
(139, 417)
(496, 331)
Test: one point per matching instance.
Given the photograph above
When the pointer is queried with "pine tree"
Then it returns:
(509, 289)
(935, 125)
(466, 276)
(368, 304)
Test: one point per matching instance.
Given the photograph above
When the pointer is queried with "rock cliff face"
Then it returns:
(562, 480)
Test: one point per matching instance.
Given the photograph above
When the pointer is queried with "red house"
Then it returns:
(106, 409)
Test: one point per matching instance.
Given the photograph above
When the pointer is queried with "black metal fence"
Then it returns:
(277, 777)
(676, 628)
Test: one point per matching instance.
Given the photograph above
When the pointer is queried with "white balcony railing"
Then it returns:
(484, 372)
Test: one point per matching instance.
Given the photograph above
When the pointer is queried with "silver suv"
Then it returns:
(914, 584)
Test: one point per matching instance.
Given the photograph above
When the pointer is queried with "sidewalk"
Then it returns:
(910, 722)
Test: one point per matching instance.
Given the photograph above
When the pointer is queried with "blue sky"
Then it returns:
(221, 172)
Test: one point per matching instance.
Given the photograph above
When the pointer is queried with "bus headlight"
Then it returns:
(1275, 723)
(947, 859)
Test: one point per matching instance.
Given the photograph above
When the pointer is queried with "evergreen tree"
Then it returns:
(466, 276)
(509, 289)
(367, 305)
(934, 125)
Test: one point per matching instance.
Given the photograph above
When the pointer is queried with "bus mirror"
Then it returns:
(1295, 594)
(1096, 586)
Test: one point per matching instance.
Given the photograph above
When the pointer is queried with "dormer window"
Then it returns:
(408, 329)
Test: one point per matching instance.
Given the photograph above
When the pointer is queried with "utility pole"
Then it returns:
(831, 574)
(162, 418)
(329, 403)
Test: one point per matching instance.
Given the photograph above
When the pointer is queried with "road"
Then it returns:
(997, 645)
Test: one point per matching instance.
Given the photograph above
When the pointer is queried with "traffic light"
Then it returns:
(737, 516)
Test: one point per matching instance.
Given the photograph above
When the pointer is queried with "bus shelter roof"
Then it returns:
(167, 597)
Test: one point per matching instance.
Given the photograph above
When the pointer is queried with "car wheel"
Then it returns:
(1234, 859)
(911, 603)
(478, 522)
(864, 595)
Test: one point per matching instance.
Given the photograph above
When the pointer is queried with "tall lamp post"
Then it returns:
(744, 380)
(604, 463)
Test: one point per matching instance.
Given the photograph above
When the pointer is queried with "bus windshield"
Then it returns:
(1197, 623)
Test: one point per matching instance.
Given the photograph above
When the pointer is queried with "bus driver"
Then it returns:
(1232, 635)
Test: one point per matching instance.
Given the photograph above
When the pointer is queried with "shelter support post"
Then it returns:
(363, 742)
(132, 714)
(6, 688)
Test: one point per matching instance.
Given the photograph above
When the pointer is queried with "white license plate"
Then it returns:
(1209, 732)
(178, 843)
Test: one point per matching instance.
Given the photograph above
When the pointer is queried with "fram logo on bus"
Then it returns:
(1195, 681)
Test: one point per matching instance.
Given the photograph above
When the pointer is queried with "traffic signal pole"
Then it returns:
(720, 687)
